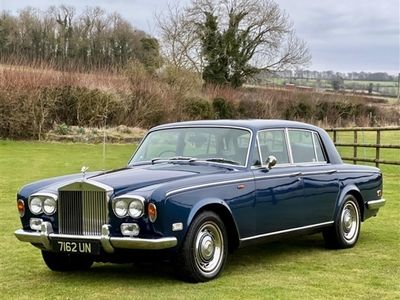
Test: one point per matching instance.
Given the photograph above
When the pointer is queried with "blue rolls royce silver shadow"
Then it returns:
(195, 191)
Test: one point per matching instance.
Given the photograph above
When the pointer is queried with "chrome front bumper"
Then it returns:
(375, 204)
(109, 244)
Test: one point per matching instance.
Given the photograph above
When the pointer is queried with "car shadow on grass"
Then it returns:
(268, 254)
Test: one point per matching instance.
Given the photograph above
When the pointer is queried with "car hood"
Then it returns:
(129, 179)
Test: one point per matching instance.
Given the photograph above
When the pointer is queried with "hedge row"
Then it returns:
(31, 113)
(32, 102)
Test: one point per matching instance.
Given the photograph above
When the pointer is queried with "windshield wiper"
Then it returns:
(223, 160)
(174, 158)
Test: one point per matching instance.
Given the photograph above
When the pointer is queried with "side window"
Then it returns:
(318, 148)
(301, 143)
(273, 142)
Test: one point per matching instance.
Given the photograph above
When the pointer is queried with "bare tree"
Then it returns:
(254, 35)
(180, 42)
(91, 39)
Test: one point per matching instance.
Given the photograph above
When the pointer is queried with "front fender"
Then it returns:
(202, 204)
(186, 212)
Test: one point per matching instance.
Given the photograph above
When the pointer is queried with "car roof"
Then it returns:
(253, 124)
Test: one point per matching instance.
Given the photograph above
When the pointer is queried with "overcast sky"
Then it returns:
(343, 35)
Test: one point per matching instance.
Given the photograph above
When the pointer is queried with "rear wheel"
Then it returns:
(62, 262)
(204, 251)
(346, 229)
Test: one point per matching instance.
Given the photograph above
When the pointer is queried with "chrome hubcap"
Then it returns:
(350, 221)
(209, 247)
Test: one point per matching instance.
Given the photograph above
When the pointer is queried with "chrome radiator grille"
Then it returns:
(82, 212)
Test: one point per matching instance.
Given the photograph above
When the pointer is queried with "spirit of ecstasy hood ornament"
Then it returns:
(83, 170)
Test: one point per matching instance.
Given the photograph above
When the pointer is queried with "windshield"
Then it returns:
(225, 145)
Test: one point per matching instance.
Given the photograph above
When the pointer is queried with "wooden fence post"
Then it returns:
(355, 148)
(377, 149)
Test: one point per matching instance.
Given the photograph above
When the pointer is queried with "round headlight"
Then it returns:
(121, 208)
(36, 205)
(49, 206)
(136, 208)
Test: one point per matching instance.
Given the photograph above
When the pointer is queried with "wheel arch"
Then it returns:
(355, 192)
(219, 207)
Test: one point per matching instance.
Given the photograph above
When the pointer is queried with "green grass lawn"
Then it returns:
(301, 268)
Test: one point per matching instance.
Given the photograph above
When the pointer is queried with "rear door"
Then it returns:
(320, 183)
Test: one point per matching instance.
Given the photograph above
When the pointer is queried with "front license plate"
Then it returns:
(78, 247)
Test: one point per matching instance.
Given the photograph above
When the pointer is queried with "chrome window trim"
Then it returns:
(289, 146)
(321, 146)
(315, 148)
(201, 126)
(199, 186)
(285, 231)
(259, 150)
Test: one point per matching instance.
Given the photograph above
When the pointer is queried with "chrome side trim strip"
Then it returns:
(375, 204)
(357, 171)
(296, 174)
(285, 231)
(169, 193)
(293, 174)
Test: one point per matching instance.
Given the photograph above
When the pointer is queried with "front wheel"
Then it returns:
(204, 251)
(346, 229)
(61, 262)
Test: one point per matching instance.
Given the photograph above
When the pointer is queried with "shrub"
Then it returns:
(62, 129)
(197, 109)
(223, 109)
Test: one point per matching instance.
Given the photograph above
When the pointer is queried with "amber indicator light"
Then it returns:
(21, 207)
(152, 212)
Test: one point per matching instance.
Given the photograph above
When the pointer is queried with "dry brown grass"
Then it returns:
(34, 98)
(44, 76)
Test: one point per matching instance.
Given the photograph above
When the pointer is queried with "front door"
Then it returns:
(279, 191)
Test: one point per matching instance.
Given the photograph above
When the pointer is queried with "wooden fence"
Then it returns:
(356, 144)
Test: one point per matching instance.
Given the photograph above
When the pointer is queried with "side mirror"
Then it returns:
(270, 162)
